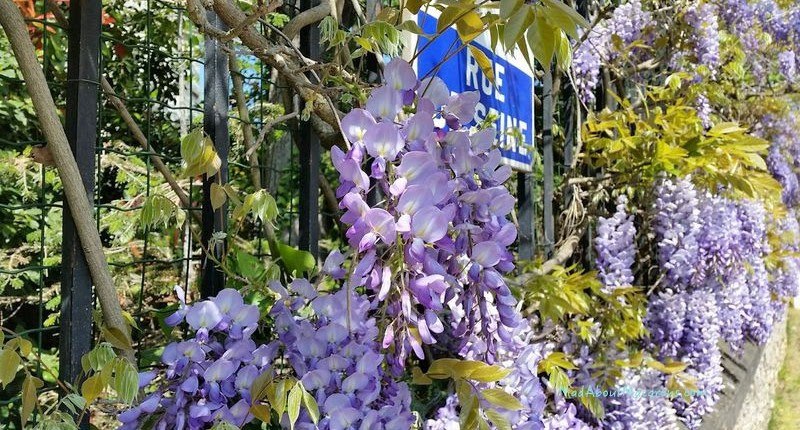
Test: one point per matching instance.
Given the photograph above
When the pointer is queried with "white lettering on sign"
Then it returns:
(473, 70)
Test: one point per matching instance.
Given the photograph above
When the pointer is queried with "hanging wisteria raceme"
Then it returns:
(702, 19)
(615, 247)
(783, 158)
(629, 22)
(438, 238)
(639, 410)
(522, 358)
(700, 349)
(336, 354)
(676, 223)
(208, 376)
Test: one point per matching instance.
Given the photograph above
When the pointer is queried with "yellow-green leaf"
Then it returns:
(414, 6)
(117, 338)
(29, 396)
(295, 398)
(489, 374)
(508, 8)
(259, 388)
(448, 17)
(218, 196)
(501, 399)
(419, 378)
(484, 62)
(91, 388)
(279, 403)
(565, 17)
(542, 41)
(516, 26)
(500, 422)
(126, 380)
(441, 368)
(9, 362)
(311, 406)
(469, 26)
(261, 412)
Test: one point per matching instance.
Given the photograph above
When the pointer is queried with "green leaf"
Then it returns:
(725, 128)
(91, 388)
(97, 357)
(295, 398)
(448, 17)
(9, 362)
(261, 412)
(442, 368)
(565, 17)
(126, 380)
(192, 146)
(74, 403)
(542, 41)
(296, 260)
(29, 396)
(594, 405)
(563, 52)
(469, 26)
(489, 374)
(501, 399)
(218, 196)
(419, 378)
(414, 6)
(311, 406)
(279, 403)
(509, 8)
(500, 422)
(412, 27)
(117, 338)
(259, 388)
(515, 27)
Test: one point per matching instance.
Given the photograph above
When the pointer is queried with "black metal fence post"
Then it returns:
(215, 124)
(309, 149)
(547, 148)
(81, 129)
(525, 184)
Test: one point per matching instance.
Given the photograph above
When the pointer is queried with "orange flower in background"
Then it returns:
(31, 9)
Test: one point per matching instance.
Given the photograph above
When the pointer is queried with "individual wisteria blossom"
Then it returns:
(615, 247)
(336, 355)
(433, 252)
(207, 377)
(565, 418)
(702, 19)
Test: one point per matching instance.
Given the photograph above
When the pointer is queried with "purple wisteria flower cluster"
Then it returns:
(208, 376)
(615, 247)
(629, 22)
(702, 18)
(337, 356)
(432, 252)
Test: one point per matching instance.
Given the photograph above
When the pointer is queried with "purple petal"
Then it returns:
(416, 165)
(418, 127)
(430, 224)
(219, 370)
(415, 198)
(203, 315)
(384, 140)
(228, 300)
(462, 106)
(486, 253)
(435, 90)
(483, 140)
(356, 123)
(399, 75)
(382, 223)
(384, 102)
(317, 378)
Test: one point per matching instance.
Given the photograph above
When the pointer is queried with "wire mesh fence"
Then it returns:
(156, 66)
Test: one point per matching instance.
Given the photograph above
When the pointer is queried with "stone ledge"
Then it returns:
(751, 377)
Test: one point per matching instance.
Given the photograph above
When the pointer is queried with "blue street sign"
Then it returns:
(511, 100)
